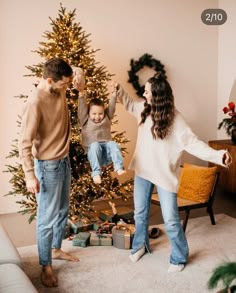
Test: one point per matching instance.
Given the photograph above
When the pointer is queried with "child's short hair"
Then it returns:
(95, 102)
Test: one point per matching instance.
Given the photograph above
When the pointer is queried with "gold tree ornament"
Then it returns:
(67, 40)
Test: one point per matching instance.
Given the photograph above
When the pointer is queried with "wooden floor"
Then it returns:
(22, 233)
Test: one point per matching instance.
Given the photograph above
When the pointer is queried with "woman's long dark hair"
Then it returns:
(162, 109)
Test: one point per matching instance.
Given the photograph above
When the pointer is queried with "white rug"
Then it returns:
(105, 269)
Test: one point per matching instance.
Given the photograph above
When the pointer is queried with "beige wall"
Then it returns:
(227, 60)
(171, 31)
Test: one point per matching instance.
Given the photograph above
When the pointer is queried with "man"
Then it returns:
(45, 136)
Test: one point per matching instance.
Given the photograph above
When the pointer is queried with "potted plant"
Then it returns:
(226, 273)
(229, 123)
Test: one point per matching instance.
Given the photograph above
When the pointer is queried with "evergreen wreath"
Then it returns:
(144, 60)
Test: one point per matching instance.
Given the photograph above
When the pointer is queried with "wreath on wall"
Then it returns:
(145, 60)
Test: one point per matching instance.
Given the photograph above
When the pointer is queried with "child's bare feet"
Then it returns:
(48, 278)
(60, 254)
(113, 207)
(97, 179)
(121, 171)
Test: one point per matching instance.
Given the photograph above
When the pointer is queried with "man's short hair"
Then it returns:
(56, 68)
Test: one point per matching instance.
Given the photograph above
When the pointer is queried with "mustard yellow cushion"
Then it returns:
(196, 182)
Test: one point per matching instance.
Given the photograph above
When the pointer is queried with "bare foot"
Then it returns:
(60, 254)
(97, 179)
(113, 207)
(48, 278)
(121, 171)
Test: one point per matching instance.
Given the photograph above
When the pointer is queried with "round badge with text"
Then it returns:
(214, 16)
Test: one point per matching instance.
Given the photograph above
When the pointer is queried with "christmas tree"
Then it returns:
(68, 41)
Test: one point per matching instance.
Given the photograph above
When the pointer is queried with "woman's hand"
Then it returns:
(227, 159)
(114, 86)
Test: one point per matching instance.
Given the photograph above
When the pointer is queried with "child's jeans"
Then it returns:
(101, 154)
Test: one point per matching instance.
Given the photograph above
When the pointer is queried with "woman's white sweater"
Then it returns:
(159, 160)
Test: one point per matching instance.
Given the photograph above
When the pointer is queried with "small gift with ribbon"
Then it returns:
(80, 225)
(98, 239)
(122, 235)
(81, 239)
(105, 227)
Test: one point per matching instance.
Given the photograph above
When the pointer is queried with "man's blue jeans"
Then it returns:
(102, 154)
(53, 205)
(142, 198)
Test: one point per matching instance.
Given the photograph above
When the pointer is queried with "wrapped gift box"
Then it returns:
(100, 239)
(84, 225)
(81, 225)
(92, 217)
(106, 215)
(105, 227)
(124, 213)
(81, 239)
(122, 236)
(67, 231)
(97, 224)
(72, 226)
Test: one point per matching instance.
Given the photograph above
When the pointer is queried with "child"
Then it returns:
(95, 121)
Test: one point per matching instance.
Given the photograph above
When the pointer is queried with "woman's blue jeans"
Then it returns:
(52, 205)
(142, 198)
(102, 154)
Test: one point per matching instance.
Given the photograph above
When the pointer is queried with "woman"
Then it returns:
(163, 135)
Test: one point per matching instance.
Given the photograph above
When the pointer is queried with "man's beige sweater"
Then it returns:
(45, 129)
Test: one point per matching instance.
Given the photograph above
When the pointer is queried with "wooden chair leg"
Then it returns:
(186, 219)
(211, 214)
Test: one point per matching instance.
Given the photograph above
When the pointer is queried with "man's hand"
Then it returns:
(78, 79)
(33, 185)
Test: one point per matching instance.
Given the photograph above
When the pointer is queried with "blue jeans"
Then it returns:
(142, 198)
(52, 205)
(102, 154)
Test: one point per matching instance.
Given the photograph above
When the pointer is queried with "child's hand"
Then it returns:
(113, 207)
(78, 79)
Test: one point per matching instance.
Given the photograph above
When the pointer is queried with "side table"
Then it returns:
(227, 180)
